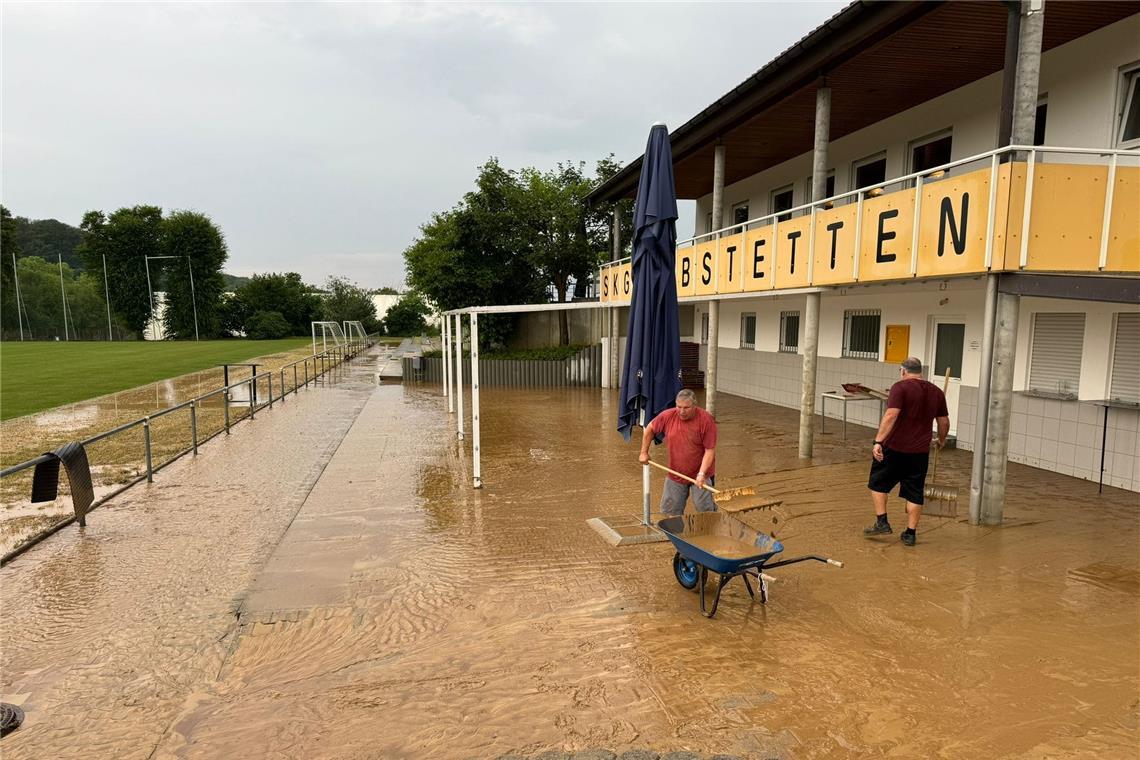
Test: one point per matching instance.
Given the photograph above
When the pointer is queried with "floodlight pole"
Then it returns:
(63, 298)
(107, 297)
(150, 295)
(19, 318)
(193, 299)
(475, 399)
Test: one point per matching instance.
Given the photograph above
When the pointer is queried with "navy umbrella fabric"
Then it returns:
(652, 375)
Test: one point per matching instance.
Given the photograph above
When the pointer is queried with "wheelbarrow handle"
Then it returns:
(706, 486)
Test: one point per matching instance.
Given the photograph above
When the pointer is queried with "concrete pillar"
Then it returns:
(812, 302)
(981, 424)
(1028, 71)
(1000, 409)
(714, 304)
(614, 311)
(1009, 73)
(822, 137)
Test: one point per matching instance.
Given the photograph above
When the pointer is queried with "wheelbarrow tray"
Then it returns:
(719, 541)
(723, 544)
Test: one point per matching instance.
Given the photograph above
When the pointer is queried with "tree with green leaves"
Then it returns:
(285, 293)
(123, 240)
(348, 302)
(407, 316)
(199, 252)
(10, 318)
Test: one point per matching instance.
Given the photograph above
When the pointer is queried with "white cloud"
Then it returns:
(320, 136)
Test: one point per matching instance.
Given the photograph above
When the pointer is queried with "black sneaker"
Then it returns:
(907, 537)
(878, 529)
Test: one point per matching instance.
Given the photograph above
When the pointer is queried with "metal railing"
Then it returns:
(1027, 154)
(298, 372)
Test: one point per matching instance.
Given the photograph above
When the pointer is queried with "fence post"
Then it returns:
(283, 385)
(226, 407)
(194, 426)
(252, 390)
(294, 378)
(306, 360)
(269, 380)
(146, 443)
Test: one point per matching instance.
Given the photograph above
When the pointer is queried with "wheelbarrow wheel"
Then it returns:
(687, 571)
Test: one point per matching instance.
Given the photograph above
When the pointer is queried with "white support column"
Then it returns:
(981, 434)
(811, 307)
(1000, 410)
(459, 374)
(475, 400)
(445, 335)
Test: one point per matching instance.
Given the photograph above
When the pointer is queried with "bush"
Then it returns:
(267, 325)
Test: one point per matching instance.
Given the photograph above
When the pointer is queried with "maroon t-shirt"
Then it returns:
(918, 402)
(687, 441)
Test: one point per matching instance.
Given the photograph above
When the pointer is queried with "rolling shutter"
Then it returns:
(1125, 384)
(1055, 357)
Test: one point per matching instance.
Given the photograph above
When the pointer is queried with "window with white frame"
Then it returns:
(1124, 384)
(1128, 108)
(1055, 353)
(828, 189)
(790, 331)
(740, 213)
(748, 330)
(1040, 119)
(708, 222)
(705, 327)
(869, 171)
(861, 333)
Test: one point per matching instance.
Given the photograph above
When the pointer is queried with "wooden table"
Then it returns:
(845, 398)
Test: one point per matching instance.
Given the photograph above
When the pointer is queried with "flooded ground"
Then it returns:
(353, 597)
(121, 458)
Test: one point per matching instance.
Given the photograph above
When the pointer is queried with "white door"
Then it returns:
(946, 352)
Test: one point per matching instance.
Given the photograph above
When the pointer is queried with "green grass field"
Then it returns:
(40, 375)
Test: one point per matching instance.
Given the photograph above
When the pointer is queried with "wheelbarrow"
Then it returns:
(721, 543)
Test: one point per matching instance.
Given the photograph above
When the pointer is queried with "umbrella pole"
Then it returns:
(644, 481)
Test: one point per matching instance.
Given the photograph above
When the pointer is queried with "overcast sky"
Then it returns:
(321, 136)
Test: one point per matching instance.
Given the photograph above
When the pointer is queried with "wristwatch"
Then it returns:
(877, 443)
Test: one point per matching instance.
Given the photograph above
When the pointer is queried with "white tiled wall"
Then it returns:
(1065, 437)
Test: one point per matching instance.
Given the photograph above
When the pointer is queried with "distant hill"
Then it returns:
(233, 282)
(49, 239)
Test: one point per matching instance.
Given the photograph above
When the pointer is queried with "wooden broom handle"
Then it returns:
(706, 486)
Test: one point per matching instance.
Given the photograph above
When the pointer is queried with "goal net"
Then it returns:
(355, 332)
(328, 333)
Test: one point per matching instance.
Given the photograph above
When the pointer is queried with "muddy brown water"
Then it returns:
(353, 597)
(120, 458)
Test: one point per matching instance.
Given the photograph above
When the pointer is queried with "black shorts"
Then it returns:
(908, 471)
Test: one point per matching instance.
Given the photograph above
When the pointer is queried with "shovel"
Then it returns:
(947, 496)
(719, 495)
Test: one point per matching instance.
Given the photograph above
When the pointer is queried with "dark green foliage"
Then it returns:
(386, 291)
(9, 250)
(346, 302)
(267, 325)
(199, 250)
(407, 316)
(124, 239)
(49, 239)
(43, 304)
(284, 293)
(233, 281)
(513, 237)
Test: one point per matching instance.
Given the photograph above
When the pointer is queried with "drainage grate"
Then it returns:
(10, 717)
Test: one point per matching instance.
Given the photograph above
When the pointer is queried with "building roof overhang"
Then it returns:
(879, 59)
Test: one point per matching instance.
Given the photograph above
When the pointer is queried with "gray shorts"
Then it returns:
(675, 495)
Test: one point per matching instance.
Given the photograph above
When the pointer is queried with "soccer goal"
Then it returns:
(357, 336)
(327, 332)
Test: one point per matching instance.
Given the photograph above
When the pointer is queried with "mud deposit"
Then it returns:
(337, 589)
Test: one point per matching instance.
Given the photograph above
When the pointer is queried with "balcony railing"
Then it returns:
(965, 217)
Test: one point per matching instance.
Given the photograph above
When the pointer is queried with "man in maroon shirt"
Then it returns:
(902, 446)
(690, 433)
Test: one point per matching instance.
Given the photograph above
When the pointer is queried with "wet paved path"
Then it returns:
(402, 614)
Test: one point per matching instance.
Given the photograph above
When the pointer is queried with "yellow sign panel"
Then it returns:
(953, 225)
(756, 267)
(1066, 234)
(704, 268)
(792, 252)
(834, 246)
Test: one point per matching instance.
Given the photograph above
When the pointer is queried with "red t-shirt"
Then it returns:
(687, 441)
(918, 402)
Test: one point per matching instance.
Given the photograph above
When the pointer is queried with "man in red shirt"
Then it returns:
(902, 446)
(690, 434)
